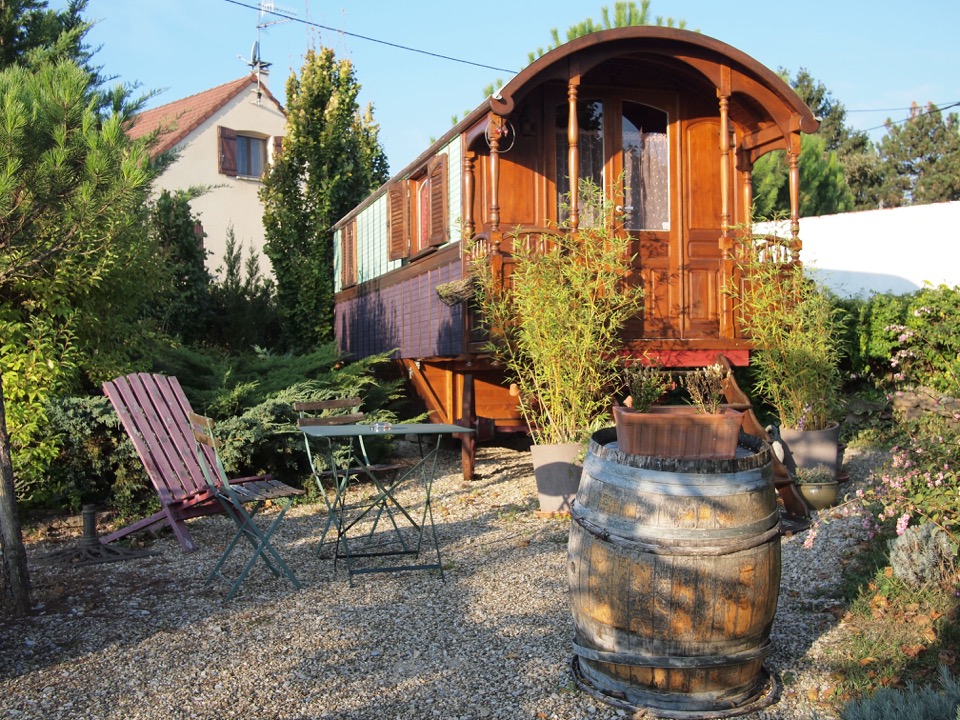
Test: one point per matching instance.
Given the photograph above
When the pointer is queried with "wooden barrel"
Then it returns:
(674, 572)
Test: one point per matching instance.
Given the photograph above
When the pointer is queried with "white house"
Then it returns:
(225, 137)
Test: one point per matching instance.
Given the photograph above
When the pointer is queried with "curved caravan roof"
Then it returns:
(769, 114)
(761, 103)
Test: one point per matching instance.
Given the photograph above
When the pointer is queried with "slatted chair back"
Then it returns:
(242, 502)
(153, 410)
(339, 411)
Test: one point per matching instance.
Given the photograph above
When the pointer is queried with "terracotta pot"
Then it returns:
(809, 449)
(819, 495)
(678, 431)
(557, 475)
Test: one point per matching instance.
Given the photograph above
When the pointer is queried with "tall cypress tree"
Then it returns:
(331, 160)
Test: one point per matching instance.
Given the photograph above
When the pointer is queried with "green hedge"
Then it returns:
(251, 398)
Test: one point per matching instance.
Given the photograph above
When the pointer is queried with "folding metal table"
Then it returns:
(404, 533)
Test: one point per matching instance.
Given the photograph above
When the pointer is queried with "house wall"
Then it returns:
(229, 200)
(894, 250)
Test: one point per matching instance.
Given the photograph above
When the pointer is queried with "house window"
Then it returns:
(241, 155)
(429, 205)
(251, 156)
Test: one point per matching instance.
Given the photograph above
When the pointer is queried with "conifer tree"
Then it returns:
(331, 159)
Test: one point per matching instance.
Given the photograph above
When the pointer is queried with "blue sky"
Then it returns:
(873, 56)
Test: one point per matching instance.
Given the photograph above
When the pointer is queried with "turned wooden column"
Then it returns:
(725, 302)
(469, 184)
(573, 152)
(725, 185)
(493, 139)
(793, 158)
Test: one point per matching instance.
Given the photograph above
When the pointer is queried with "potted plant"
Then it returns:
(554, 324)
(796, 334)
(703, 429)
(818, 486)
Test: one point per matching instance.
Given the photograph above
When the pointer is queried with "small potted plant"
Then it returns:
(818, 486)
(703, 429)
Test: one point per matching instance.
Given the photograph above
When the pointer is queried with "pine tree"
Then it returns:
(921, 158)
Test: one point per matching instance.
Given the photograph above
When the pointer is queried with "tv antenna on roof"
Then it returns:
(257, 65)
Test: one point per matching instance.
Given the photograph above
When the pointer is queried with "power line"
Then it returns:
(919, 114)
(893, 109)
(369, 39)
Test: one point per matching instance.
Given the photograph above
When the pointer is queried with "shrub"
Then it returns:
(97, 463)
(796, 331)
(927, 344)
(912, 703)
(922, 554)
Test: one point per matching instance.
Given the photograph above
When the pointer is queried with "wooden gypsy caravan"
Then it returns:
(680, 116)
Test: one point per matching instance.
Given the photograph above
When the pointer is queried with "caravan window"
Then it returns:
(590, 145)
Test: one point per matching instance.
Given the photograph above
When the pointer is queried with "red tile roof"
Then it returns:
(181, 117)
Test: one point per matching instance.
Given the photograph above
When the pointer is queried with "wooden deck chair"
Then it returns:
(340, 411)
(153, 411)
(235, 499)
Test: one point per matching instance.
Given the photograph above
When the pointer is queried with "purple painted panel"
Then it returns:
(408, 317)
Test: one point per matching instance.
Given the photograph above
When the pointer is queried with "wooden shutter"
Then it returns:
(437, 175)
(277, 147)
(348, 254)
(227, 140)
(397, 221)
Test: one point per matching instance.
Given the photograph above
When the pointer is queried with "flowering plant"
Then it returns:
(705, 387)
(646, 384)
(922, 483)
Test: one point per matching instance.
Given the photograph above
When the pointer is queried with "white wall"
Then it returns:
(895, 250)
(230, 199)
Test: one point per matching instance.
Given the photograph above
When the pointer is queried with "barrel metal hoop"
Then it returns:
(658, 546)
(673, 661)
(617, 526)
(677, 484)
(767, 693)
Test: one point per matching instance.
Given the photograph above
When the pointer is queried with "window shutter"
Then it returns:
(348, 254)
(397, 218)
(277, 146)
(437, 173)
(227, 163)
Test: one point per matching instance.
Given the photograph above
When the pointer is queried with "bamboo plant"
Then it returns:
(796, 333)
(556, 326)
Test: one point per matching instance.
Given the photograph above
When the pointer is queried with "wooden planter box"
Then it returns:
(678, 431)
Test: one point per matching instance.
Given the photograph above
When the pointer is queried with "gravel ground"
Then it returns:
(147, 638)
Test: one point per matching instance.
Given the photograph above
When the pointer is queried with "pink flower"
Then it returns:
(902, 523)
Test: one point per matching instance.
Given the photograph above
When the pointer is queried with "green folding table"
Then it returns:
(402, 527)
